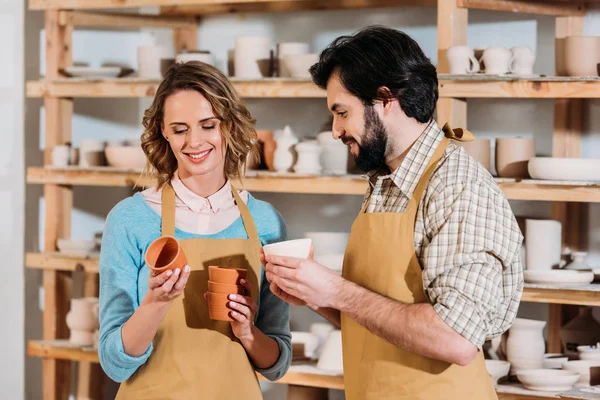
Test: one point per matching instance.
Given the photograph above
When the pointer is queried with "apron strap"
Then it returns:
(246, 216)
(167, 211)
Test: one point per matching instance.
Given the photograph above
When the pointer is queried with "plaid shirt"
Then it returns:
(466, 237)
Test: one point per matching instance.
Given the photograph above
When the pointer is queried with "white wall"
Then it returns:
(121, 118)
(11, 200)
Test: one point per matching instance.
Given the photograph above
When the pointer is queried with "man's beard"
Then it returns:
(372, 150)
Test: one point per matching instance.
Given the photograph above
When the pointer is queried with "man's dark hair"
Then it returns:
(378, 56)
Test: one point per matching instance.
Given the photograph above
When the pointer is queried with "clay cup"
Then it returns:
(165, 253)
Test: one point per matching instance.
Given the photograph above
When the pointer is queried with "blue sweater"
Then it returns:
(130, 227)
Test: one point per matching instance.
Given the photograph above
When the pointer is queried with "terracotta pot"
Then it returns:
(216, 287)
(512, 156)
(560, 64)
(582, 54)
(525, 345)
(479, 149)
(268, 145)
(217, 307)
(228, 276)
(165, 253)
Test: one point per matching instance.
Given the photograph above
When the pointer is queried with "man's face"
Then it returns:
(357, 126)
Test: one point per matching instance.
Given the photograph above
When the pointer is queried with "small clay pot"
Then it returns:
(217, 307)
(581, 55)
(228, 276)
(165, 253)
(268, 145)
(512, 156)
(216, 287)
(479, 149)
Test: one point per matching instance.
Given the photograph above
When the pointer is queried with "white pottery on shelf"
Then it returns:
(586, 370)
(149, 60)
(290, 48)
(558, 277)
(521, 61)
(284, 152)
(525, 345)
(197, 55)
(249, 52)
(331, 359)
(91, 153)
(497, 60)
(579, 261)
(309, 158)
(309, 341)
(334, 157)
(299, 64)
(564, 169)
(543, 242)
(554, 360)
(127, 157)
(548, 380)
(82, 320)
(321, 330)
(76, 247)
(589, 353)
(61, 155)
(497, 369)
(77, 71)
(462, 60)
(299, 248)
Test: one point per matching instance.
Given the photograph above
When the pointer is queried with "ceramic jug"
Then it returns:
(284, 152)
(308, 162)
(525, 345)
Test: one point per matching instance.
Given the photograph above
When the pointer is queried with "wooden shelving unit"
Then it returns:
(62, 16)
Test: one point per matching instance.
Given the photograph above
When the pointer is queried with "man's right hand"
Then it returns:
(276, 290)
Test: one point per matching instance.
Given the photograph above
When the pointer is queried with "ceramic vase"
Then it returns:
(583, 330)
(334, 154)
(309, 154)
(479, 149)
(149, 60)
(249, 53)
(82, 320)
(525, 345)
(512, 156)
(543, 242)
(582, 55)
(284, 153)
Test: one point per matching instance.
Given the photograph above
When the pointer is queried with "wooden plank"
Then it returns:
(526, 89)
(56, 351)
(90, 375)
(561, 296)
(59, 262)
(290, 6)
(538, 192)
(199, 7)
(452, 111)
(528, 7)
(452, 23)
(58, 203)
(129, 21)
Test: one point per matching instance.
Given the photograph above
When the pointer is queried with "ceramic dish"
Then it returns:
(298, 64)
(548, 380)
(585, 369)
(299, 248)
(497, 369)
(554, 360)
(556, 276)
(76, 247)
(91, 72)
(310, 342)
(566, 169)
(127, 157)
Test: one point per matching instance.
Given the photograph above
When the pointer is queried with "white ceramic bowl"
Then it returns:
(564, 169)
(326, 243)
(310, 342)
(548, 380)
(128, 157)
(76, 247)
(561, 276)
(298, 64)
(299, 248)
(497, 369)
(331, 357)
(554, 360)
(583, 368)
(590, 356)
(589, 349)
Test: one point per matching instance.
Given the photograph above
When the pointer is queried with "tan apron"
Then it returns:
(381, 257)
(193, 356)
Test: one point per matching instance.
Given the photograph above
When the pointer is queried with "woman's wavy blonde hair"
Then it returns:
(236, 122)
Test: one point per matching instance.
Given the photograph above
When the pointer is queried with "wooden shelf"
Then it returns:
(61, 262)
(451, 86)
(352, 184)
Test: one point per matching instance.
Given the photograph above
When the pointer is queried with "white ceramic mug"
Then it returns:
(497, 60)
(462, 60)
(284, 49)
(521, 61)
(249, 51)
(149, 59)
(61, 155)
(202, 56)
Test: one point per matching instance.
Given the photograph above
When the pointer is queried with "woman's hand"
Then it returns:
(243, 311)
(166, 286)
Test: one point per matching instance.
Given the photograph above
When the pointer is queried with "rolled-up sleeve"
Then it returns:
(120, 259)
(472, 273)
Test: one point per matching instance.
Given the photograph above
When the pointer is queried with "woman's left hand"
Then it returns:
(244, 310)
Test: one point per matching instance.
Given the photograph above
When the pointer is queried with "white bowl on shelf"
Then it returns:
(299, 64)
(497, 369)
(554, 360)
(548, 380)
(584, 369)
(76, 247)
(558, 276)
(299, 248)
(126, 157)
(564, 169)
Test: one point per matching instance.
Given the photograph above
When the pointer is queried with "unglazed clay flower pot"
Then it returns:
(217, 307)
(165, 253)
(513, 155)
(228, 276)
(581, 55)
(216, 287)
(479, 149)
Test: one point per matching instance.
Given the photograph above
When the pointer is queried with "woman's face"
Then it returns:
(194, 135)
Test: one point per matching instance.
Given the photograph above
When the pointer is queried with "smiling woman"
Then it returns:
(198, 135)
